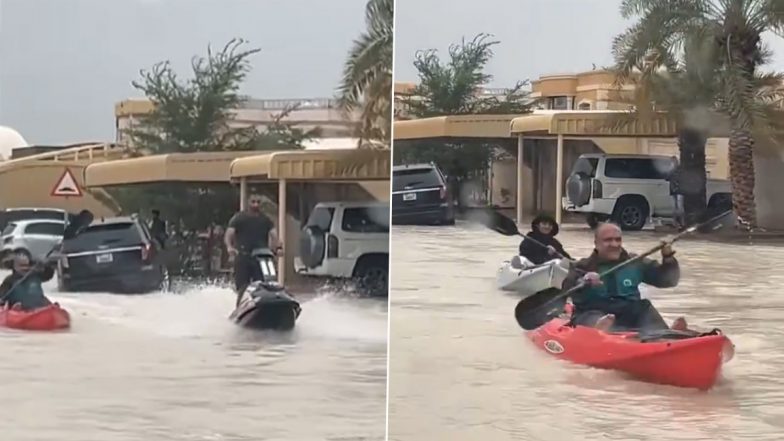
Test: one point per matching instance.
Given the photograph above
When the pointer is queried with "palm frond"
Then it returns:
(367, 73)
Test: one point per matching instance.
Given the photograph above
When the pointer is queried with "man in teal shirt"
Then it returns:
(613, 301)
(23, 289)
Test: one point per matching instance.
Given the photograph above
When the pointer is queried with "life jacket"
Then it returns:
(29, 293)
(622, 284)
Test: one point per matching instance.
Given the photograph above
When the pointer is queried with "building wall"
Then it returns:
(769, 180)
(312, 113)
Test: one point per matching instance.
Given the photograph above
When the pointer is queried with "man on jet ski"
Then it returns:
(29, 294)
(248, 230)
(614, 299)
(543, 230)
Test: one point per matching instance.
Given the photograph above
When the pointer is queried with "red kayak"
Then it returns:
(48, 318)
(693, 361)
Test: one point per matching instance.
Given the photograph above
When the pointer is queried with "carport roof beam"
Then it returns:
(314, 165)
(594, 124)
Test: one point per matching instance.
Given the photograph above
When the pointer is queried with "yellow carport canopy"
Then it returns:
(174, 167)
(315, 165)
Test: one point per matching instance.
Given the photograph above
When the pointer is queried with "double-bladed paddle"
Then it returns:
(538, 309)
(508, 227)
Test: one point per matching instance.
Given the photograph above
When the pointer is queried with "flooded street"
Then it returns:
(460, 368)
(172, 367)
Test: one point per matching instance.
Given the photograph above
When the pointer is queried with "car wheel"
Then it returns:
(372, 277)
(631, 214)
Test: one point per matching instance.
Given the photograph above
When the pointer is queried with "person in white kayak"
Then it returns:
(543, 229)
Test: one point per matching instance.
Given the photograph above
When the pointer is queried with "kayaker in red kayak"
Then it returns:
(614, 301)
(29, 294)
(543, 229)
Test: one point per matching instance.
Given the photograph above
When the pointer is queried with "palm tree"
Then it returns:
(367, 75)
(685, 89)
(726, 34)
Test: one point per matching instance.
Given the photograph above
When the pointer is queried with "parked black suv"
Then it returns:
(420, 196)
(115, 255)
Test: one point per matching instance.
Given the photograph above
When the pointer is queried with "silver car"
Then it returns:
(38, 236)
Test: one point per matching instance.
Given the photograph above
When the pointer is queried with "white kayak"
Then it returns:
(521, 275)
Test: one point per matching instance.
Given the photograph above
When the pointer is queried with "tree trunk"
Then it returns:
(741, 159)
(691, 144)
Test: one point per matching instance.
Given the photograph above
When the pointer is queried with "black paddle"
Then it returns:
(508, 227)
(76, 226)
(538, 309)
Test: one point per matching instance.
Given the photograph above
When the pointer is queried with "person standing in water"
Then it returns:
(543, 229)
(248, 230)
(158, 228)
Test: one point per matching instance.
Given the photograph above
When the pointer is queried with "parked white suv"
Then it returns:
(630, 190)
(348, 240)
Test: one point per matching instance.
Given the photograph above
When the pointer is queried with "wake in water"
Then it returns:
(202, 312)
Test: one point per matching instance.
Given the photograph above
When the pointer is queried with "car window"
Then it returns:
(321, 217)
(35, 214)
(9, 229)
(415, 178)
(366, 220)
(635, 168)
(121, 234)
(586, 166)
(47, 228)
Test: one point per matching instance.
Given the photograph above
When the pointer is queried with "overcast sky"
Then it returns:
(65, 63)
(537, 36)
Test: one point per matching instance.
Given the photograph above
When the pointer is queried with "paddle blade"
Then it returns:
(78, 224)
(538, 309)
(716, 223)
(497, 222)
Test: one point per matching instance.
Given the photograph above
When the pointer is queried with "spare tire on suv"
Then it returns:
(578, 189)
(312, 246)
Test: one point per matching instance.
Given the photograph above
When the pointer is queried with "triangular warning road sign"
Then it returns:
(66, 186)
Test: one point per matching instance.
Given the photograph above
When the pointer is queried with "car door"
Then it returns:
(41, 237)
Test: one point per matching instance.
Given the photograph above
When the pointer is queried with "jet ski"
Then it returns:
(265, 304)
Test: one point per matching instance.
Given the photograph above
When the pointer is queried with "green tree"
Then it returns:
(725, 34)
(195, 115)
(367, 75)
(453, 88)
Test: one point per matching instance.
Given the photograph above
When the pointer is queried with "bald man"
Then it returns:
(613, 302)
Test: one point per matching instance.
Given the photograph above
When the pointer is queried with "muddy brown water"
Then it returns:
(172, 367)
(460, 368)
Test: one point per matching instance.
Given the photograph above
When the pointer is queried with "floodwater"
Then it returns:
(460, 368)
(172, 367)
